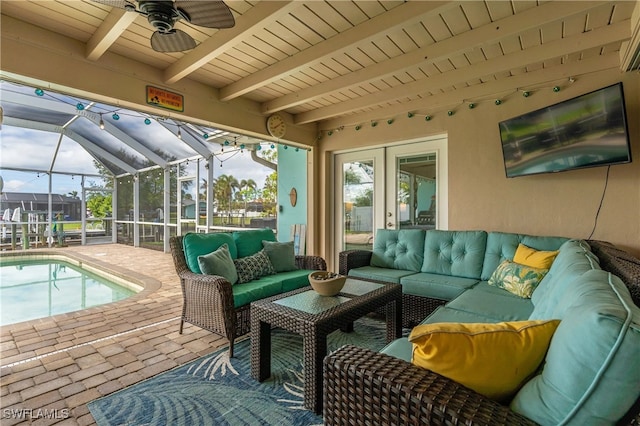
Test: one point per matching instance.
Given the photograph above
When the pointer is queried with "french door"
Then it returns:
(397, 187)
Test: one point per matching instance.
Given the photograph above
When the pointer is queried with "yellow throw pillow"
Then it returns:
(494, 360)
(534, 258)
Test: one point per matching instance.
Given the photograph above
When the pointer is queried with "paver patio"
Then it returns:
(52, 367)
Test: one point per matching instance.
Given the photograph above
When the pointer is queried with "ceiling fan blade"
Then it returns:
(120, 4)
(209, 14)
(172, 41)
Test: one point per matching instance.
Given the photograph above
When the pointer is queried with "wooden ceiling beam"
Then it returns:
(540, 53)
(472, 39)
(111, 28)
(259, 16)
(403, 15)
(483, 90)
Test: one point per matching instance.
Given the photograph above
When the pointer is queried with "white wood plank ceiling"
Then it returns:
(328, 60)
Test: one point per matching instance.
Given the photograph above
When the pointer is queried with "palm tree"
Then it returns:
(225, 186)
(247, 186)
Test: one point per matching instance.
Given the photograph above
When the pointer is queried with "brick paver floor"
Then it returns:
(52, 367)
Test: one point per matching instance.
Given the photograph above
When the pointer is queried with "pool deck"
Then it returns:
(53, 367)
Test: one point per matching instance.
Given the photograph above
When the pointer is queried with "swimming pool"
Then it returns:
(38, 288)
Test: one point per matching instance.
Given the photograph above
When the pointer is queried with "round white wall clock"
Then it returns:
(276, 126)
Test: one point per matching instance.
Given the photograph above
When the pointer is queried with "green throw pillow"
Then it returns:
(282, 256)
(518, 279)
(252, 267)
(195, 245)
(219, 262)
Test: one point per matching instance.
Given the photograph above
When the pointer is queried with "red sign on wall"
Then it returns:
(165, 99)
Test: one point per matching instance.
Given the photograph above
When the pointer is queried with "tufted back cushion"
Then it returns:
(503, 245)
(398, 249)
(456, 253)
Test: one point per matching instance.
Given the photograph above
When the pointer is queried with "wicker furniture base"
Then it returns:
(315, 324)
(357, 379)
(207, 300)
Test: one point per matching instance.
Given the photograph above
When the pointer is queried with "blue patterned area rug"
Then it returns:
(216, 390)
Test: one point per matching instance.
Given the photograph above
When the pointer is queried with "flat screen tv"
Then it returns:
(587, 131)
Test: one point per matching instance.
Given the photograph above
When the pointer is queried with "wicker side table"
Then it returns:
(314, 317)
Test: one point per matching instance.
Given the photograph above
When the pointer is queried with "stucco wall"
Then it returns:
(480, 195)
(292, 173)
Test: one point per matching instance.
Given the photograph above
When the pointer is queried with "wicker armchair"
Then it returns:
(207, 300)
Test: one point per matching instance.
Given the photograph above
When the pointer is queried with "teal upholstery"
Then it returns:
(435, 286)
(502, 245)
(292, 280)
(195, 245)
(591, 372)
(380, 274)
(267, 286)
(446, 314)
(457, 253)
(573, 260)
(250, 242)
(500, 307)
(398, 249)
(219, 262)
(400, 348)
(281, 255)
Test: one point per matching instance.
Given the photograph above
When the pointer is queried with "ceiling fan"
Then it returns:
(163, 15)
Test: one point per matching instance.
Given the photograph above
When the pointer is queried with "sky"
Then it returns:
(31, 149)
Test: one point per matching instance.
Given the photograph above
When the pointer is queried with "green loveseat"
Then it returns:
(213, 302)
(591, 371)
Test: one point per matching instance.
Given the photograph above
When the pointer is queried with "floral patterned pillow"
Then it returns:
(254, 266)
(518, 279)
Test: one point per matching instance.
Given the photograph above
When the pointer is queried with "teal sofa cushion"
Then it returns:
(398, 249)
(503, 245)
(571, 263)
(446, 314)
(195, 245)
(245, 293)
(455, 253)
(292, 280)
(400, 348)
(250, 242)
(380, 274)
(591, 372)
(435, 286)
(501, 307)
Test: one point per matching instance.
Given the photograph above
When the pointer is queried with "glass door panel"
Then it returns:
(416, 179)
(358, 204)
(359, 199)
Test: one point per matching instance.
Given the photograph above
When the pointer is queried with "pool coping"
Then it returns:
(141, 284)
(122, 276)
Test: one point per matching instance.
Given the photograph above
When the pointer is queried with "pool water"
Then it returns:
(38, 289)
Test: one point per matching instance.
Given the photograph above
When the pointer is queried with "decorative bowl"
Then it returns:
(326, 283)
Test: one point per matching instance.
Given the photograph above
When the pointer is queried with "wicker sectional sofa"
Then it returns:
(214, 303)
(591, 370)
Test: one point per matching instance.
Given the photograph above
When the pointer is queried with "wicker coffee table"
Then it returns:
(314, 317)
